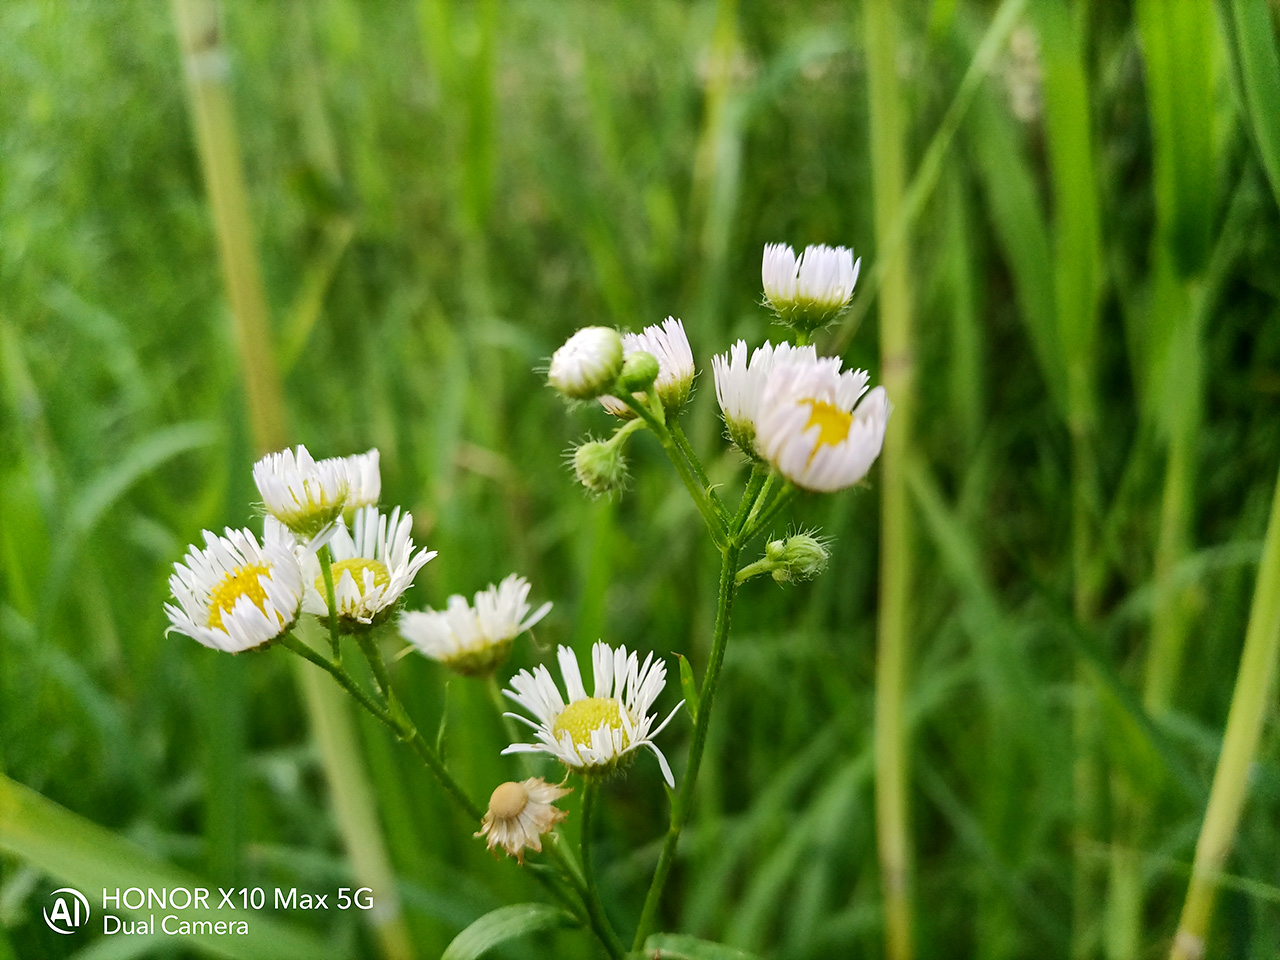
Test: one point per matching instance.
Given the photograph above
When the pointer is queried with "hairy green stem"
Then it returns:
(1249, 704)
(683, 802)
(395, 720)
(599, 919)
(326, 573)
(369, 647)
(758, 526)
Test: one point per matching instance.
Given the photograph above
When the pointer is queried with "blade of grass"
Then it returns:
(1260, 70)
(888, 165)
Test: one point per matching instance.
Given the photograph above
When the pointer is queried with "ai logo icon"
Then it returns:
(70, 911)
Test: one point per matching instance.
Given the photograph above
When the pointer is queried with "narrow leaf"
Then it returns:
(505, 923)
(1260, 72)
(689, 686)
(678, 946)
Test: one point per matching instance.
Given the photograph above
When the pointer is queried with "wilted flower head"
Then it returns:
(669, 345)
(740, 385)
(587, 364)
(306, 495)
(474, 640)
(235, 594)
(811, 426)
(373, 566)
(808, 291)
(593, 734)
(519, 813)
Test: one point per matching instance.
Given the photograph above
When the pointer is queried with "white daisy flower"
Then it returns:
(808, 291)
(474, 639)
(588, 363)
(235, 594)
(811, 426)
(306, 495)
(519, 813)
(364, 479)
(739, 384)
(373, 565)
(670, 347)
(593, 733)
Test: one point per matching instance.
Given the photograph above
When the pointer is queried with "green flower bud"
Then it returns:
(639, 370)
(600, 466)
(801, 557)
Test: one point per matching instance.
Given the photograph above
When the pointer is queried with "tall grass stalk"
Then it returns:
(897, 373)
(206, 64)
(1249, 704)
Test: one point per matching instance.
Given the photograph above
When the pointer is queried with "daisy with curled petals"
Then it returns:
(808, 291)
(669, 345)
(593, 734)
(519, 813)
(739, 384)
(373, 565)
(474, 640)
(364, 479)
(304, 494)
(812, 427)
(236, 594)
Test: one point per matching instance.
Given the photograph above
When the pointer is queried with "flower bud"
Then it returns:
(588, 363)
(600, 466)
(639, 371)
(801, 557)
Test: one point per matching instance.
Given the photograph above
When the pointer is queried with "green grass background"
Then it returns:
(441, 193)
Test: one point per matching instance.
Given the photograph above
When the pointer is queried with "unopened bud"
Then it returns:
(802, 557)
(588, 363)
(639, 371)
(600, 466)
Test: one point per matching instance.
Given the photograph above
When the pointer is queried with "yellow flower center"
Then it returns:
(582, 717)
(240, 582)
(833, 423)
(356, 566)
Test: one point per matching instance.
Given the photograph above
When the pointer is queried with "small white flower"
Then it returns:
(304, 494)
(364, 479)
(808, 291)
(670, 347)
(474, 640)
(519, 813)
(739, 384)
(373, 566)
(811, 426)
(235, 594)
(588, 363)
(593, 733)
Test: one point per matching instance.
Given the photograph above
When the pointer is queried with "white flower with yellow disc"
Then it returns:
(593, 734)
(816, 426)
(740, 384)
(236, 594)
(305, 494)
(474, 639)
(373, 565)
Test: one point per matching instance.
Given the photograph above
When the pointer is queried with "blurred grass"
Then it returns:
(441, 194)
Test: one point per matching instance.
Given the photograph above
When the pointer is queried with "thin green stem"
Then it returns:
(683, 802)
(686, 448)
(762, 496)
(712, 517)
(784, 497)
(599, 919)
(760, 477)
(369, 648)
(326, 572)
(1249, 705)
(395, 720)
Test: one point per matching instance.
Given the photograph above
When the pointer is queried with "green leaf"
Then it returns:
(678, 946)
(1260, 73)
(505, 923)
(690, 687)
(88, 857)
